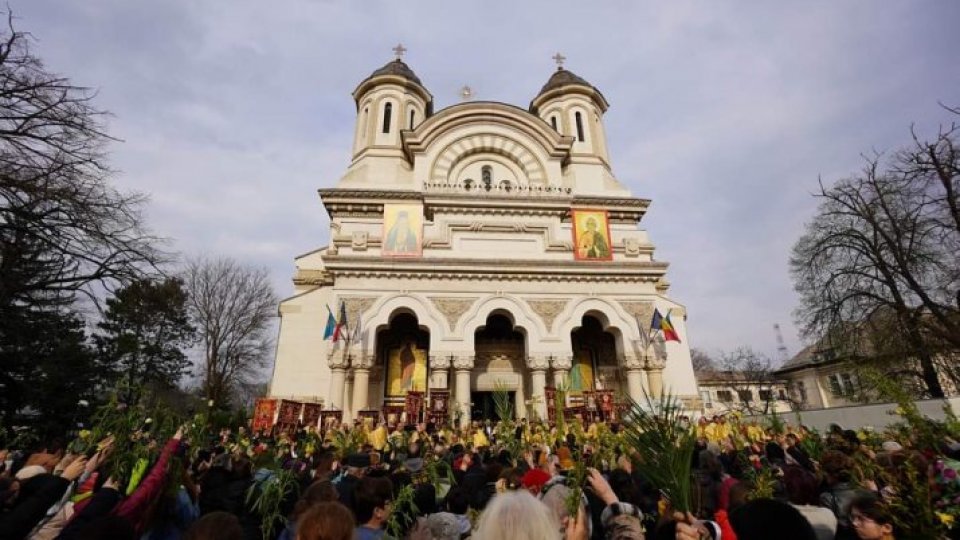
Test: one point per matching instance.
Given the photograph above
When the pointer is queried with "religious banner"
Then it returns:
(591, 235)
(606, 404)
(263, 415)
(581, 373)
(439, 403)
(412, 406)
(311, 414)
(368, 416)
(402, 230)
(571, 413)
(550, 395)
(406, 370)
(331, 419)
(392, 414)
(590, 400)
(289, 412)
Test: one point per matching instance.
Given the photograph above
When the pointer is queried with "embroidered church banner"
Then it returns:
(311, 414)
(402, 230)
(406, 370)
(413, 405)
(263, 413)
(591, 236)
(289, 412)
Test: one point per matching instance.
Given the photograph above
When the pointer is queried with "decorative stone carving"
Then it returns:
(538, 362)
(338, 360)
(655, 362)
(359, 241)
(356, 306)
(633, 362)
(641, 311)
(461, 363)
(452, 308)
(359, 360)
(547, 310)
(564, 361)
(440, 361)
(631, 246)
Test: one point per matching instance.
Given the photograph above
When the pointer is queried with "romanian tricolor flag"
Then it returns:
(669, 332)
(665, 326)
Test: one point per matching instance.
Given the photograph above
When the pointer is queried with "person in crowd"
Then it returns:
(372, 504)
(838, 476)
(871, 518)
(215, 526)
(517, 514)
(326, 520)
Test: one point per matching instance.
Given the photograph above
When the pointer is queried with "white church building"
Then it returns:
(482, 246)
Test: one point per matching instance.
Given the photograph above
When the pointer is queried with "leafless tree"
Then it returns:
(63, 228)
(878, 268)
(702, 362)
(746, 372)
(231, 306)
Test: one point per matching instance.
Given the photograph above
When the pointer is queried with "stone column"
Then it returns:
(561, 365)
(338, 372)
(361, 381)
(655, 376)
(462, 365)
(538, 378)
(439, 371)
(635, 378)
(348, 411)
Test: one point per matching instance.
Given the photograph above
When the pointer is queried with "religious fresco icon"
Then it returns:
(591, 236)
(402, 230)
(406, 370)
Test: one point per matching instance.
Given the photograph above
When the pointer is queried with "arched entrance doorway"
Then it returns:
(594, 365)
(500, 348)
(403, 348)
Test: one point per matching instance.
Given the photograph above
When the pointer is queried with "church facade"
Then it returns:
(477, 248)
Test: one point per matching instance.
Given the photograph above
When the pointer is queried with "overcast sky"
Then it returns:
(233, 112)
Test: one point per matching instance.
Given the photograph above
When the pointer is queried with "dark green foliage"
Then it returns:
(144, 332)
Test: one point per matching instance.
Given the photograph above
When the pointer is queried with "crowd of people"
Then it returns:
(486, 481)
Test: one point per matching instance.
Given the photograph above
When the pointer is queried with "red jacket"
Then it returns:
(134, 508)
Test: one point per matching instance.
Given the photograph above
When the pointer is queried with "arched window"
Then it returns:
(486, 176)
(579, 121)
(553, 122)
(413, 117)
(387, 113)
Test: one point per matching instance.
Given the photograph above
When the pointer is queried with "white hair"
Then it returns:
(517, 514)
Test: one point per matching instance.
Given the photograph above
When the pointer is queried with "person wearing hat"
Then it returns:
(357, 465)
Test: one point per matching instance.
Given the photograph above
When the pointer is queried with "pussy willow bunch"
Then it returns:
(654, 429)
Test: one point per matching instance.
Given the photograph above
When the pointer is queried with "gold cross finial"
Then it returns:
(559, 58)
(466, 93)
(399, 50)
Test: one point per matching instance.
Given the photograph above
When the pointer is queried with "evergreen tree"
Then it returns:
(144, 333)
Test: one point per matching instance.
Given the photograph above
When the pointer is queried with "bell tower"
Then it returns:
(575, 108)
(391, 100)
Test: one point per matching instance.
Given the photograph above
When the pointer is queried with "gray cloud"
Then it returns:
(233, 113)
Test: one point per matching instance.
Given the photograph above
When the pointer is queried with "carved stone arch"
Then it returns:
(389, 305)
(520, 314)
(492, 143)
(611, 315)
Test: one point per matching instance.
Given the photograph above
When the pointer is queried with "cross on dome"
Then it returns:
(466, 93)
(399, 50)
(559, 58)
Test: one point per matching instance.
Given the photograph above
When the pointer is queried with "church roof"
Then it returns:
(565, 81)
(399, 68)
(562, 77)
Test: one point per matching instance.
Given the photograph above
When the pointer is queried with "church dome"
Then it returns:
(564, 81)
(562, 77)
(397, 67)
(395, 72)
